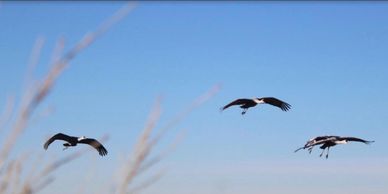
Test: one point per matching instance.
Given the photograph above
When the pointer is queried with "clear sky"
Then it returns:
(328, 60)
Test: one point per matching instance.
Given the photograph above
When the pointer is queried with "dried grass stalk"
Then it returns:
(38, 178)
(7, 112)
(34, 95)
(138, 162)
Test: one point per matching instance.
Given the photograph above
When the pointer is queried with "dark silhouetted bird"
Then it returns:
(329, 141)
(73, 141)
(248, 103)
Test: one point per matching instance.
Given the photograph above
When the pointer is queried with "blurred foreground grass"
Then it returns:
(17, 178)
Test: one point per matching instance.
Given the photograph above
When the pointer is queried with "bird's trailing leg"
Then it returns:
(310, 149)
(327, 154)
(322, 152)
(244, 111)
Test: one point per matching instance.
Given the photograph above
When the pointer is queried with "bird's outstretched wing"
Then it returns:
(58, 136)
(97, 145)
(324, 137)
(356, 139)
(276, 102)
(321, 140)
(236, 102)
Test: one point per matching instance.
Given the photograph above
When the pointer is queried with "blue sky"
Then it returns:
(328, 60)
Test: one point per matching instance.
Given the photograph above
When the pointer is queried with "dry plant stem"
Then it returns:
(42, 185)
(8, 175)
(147, 183)
(34, 167)
(12, 172)
(55, 165)
(35, 93)
(41, 115)
(145, 145)
(6, 114)
(91, 37)
(25, 109)
(33, 99)
(142, 149)
(16, 182)
(148, 164)
(171, 124)
(199, 101)
(34, 59)
(58, 50)
(26, 190)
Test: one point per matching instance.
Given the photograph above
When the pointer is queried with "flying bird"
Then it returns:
(314, 141)
(73, 141)
(329, 141)
(245, 103)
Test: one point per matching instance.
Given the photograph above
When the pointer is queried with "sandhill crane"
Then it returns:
(73, 141)
(329, 141)
(247, 103)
